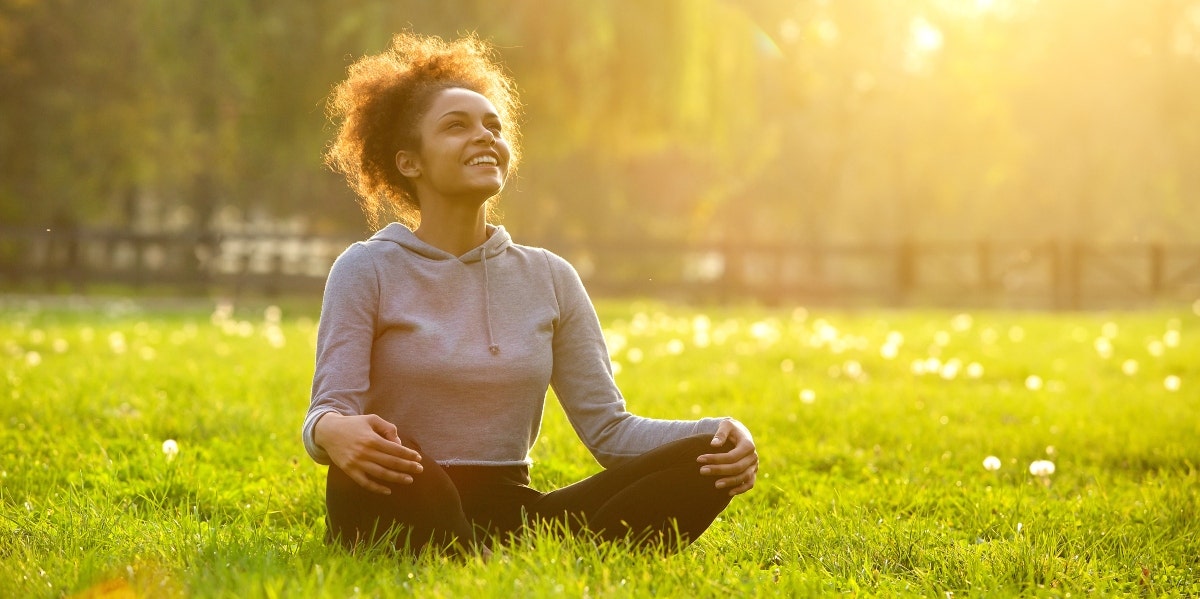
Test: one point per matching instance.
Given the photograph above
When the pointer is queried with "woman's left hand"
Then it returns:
(737, 468)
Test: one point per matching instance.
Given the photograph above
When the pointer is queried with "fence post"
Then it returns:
(1157, 265)
(984, 256)
(906, 269)
(1075, 267)
(733, 278)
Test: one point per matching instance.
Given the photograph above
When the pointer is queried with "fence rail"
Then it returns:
(1043, 274)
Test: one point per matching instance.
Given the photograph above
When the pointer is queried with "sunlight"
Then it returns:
(926, 37)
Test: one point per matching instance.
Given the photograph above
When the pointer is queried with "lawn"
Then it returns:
(152, 449)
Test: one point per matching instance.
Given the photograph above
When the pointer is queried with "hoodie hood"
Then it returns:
(498, 240)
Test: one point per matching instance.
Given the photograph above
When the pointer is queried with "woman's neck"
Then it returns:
(455, 229)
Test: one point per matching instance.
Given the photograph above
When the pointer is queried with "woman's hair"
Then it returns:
(380, 104)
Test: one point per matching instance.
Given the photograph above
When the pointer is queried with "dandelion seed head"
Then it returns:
(1129, 367)
(962, 322)
(1041, 468)
(170, 449)
(1172, 383)
(635, 355)
(275, 336)
(116, 342)
(949, 370)
(60, 346)
(1104, 347)
(1033, 382)
(974, 370)
(1110, 330)
(1171, 338)
(273, 314)
(615, 341)
(787, 365)
(918, 367)
(1155, 348)
(853, 369)
(941, 338)
(991, 463)
(933, 365)
(675, 347)
(33, 358)
(808, 396)
(989, 336)
(222, 312)
(889, 351)
(764, 331)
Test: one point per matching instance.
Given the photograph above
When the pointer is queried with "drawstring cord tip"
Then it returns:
(495, 349)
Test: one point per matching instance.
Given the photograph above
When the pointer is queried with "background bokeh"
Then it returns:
(695, 120)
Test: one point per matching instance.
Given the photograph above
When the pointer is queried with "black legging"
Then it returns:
(658, 499)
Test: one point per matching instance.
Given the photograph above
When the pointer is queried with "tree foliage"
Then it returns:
(699, 119)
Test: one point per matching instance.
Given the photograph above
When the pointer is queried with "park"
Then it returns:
(940, 257)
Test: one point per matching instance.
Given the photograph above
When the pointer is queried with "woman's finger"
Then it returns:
(365, 482)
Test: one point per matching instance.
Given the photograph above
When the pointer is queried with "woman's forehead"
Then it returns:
(459, 99)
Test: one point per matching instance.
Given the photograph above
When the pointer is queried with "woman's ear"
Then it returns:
(408, 164)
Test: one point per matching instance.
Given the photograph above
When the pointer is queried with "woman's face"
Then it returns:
(463, 152)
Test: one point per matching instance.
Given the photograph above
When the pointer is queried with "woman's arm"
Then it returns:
(583, 382)
(337, 430)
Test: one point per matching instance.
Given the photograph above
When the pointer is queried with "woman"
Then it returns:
(439, 338)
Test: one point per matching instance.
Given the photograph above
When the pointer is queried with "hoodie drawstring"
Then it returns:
(487, 304)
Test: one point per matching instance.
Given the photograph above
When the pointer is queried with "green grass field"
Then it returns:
(873, 427)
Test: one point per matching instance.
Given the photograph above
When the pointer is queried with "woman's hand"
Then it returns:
(738, 467)
(368, 449)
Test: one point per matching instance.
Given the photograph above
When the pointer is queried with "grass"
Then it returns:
(872, 479)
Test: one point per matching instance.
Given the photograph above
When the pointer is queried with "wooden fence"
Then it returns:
(1005, 274)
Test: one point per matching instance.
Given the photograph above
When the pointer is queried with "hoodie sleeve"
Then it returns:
(344, 338)
(583, 382)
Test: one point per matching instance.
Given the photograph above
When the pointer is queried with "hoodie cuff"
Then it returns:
(316, 452)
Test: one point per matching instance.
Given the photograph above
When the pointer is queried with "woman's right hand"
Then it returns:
(367, 448)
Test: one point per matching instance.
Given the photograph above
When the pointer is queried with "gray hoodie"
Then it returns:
(458, 352)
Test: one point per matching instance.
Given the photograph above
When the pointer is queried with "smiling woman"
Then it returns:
(440, 337)
(381, 101)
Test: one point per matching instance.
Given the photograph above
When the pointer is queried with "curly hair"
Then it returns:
(379, 105)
